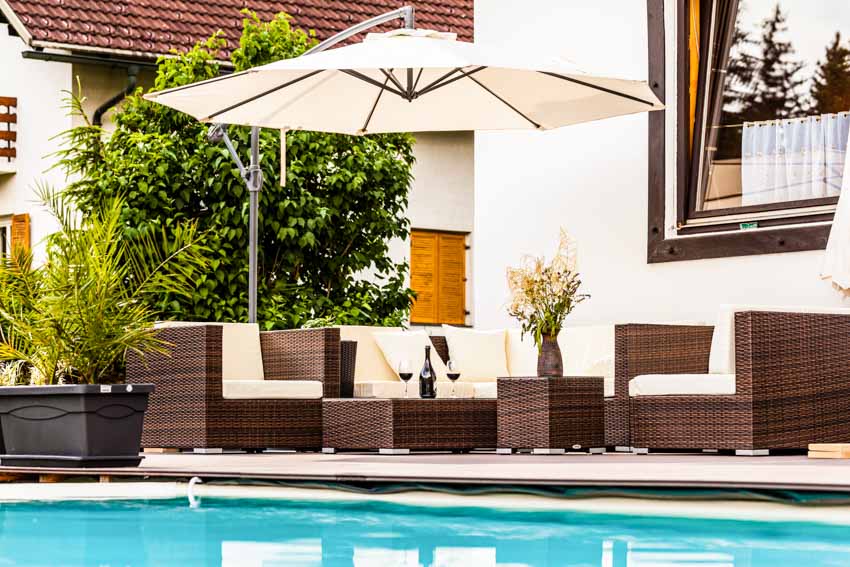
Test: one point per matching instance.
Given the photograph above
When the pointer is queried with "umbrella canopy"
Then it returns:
(411, 81)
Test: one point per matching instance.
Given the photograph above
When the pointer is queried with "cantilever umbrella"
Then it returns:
(411, 80)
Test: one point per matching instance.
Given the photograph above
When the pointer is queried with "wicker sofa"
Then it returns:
(196, 406)
(763, 379)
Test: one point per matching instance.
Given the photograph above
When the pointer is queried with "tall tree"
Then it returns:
(323, 246)
(776, 82)
(831, 84)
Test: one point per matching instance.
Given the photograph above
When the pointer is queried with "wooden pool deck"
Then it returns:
(608, 470)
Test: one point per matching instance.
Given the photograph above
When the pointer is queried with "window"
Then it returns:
(438, 276)
(763, 118)
(14, 232)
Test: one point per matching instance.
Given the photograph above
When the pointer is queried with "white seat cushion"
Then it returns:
(722, 357)
(486, 390)
(480, 355)
(390, 390)
(370, 364)
(241, 355)
(409, 346)
(608, 386)
(682, 384)
(271, 389)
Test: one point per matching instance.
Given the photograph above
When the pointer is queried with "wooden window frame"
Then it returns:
(439, 321)
(796, 234)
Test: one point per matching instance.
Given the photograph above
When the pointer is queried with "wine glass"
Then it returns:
(405, 373)
(453, 372)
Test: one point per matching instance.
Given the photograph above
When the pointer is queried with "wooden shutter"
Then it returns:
(438, 276)
(451, 291)
(20, 232)
(423, 276)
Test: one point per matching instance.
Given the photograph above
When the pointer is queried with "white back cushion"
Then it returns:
(241, 355)
(480, 355)
(722, 357)
(370, 365)
(409, 346)
(522, 354)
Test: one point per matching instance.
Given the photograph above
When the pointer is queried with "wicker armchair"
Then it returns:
(188, 410)
(792, 384)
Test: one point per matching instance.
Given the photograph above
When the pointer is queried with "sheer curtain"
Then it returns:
(836, 264)
(790, 160)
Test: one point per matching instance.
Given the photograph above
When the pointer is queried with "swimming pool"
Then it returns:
(254, 533)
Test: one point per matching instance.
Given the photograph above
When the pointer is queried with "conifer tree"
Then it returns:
(777, 80)
(831, 84)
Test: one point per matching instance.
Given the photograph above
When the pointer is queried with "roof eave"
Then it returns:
(142, 55)
(15, 22)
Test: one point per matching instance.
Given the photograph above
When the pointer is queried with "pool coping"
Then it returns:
(720, 509)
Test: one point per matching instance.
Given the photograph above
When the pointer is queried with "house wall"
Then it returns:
(592, 180)
(99, 83)
(38, 86)
(442, 193)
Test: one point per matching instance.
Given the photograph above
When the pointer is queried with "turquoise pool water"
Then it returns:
(276, 533)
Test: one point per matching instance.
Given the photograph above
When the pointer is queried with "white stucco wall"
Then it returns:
(442, 193)
(99, 83)
(38, 86)
(592, 180)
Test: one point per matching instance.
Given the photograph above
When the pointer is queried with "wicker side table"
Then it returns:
(398, 426)
(551, 415)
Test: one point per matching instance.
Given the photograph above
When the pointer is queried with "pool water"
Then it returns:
(253, 533)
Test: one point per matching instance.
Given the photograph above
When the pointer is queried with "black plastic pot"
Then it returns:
(72, 426)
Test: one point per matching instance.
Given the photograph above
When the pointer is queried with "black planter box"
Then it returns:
(72, 426)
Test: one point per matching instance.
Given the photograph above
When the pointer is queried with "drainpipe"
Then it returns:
(132, 81)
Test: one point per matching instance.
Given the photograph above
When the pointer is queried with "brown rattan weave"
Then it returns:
(651, 349)
(550, 413)
(792, 388)
(441, 347)
(348, 362)
(415, 424)
(187, 409)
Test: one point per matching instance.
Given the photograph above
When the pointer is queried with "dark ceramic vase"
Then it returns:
(549, 361)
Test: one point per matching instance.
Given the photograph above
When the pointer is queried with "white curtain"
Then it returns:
(836, 264)
(789, 160)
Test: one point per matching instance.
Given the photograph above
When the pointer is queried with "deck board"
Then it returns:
(612, 469)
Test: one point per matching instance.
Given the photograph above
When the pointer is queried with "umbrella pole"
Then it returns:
(255, 185)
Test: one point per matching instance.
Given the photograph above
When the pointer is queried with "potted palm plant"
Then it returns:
(542, 295)
(65, 327)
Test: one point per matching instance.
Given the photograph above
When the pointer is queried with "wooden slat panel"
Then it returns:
(8, 118)
(8, 152)
(424, 276)
(451, 291)
(21, 231)
(7, 135)
(8, 101)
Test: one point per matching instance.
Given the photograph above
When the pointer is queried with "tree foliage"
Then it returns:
(323, 236)
(74, 317)
(831, 83)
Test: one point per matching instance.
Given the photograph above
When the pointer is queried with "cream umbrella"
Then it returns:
(407, 80)
(411, 81)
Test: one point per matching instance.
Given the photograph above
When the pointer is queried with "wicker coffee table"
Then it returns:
(551, 415)
(398, 426)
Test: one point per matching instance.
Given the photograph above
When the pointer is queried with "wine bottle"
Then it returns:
(427, 386)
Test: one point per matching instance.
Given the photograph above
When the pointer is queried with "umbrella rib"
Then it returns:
(371, 81)
(416, 84)
(502, 100)
(434, 85)
(389, 75)
(597, 87)
(208, 81)
(261, 95)
(374, 106)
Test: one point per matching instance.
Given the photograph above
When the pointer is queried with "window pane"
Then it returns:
(778, 118)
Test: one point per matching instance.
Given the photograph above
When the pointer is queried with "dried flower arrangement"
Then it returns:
(542, 295)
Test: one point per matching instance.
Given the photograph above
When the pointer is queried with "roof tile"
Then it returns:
(154, 27)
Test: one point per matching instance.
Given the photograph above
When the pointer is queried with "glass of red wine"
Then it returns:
(405, 373)
(453, 372)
